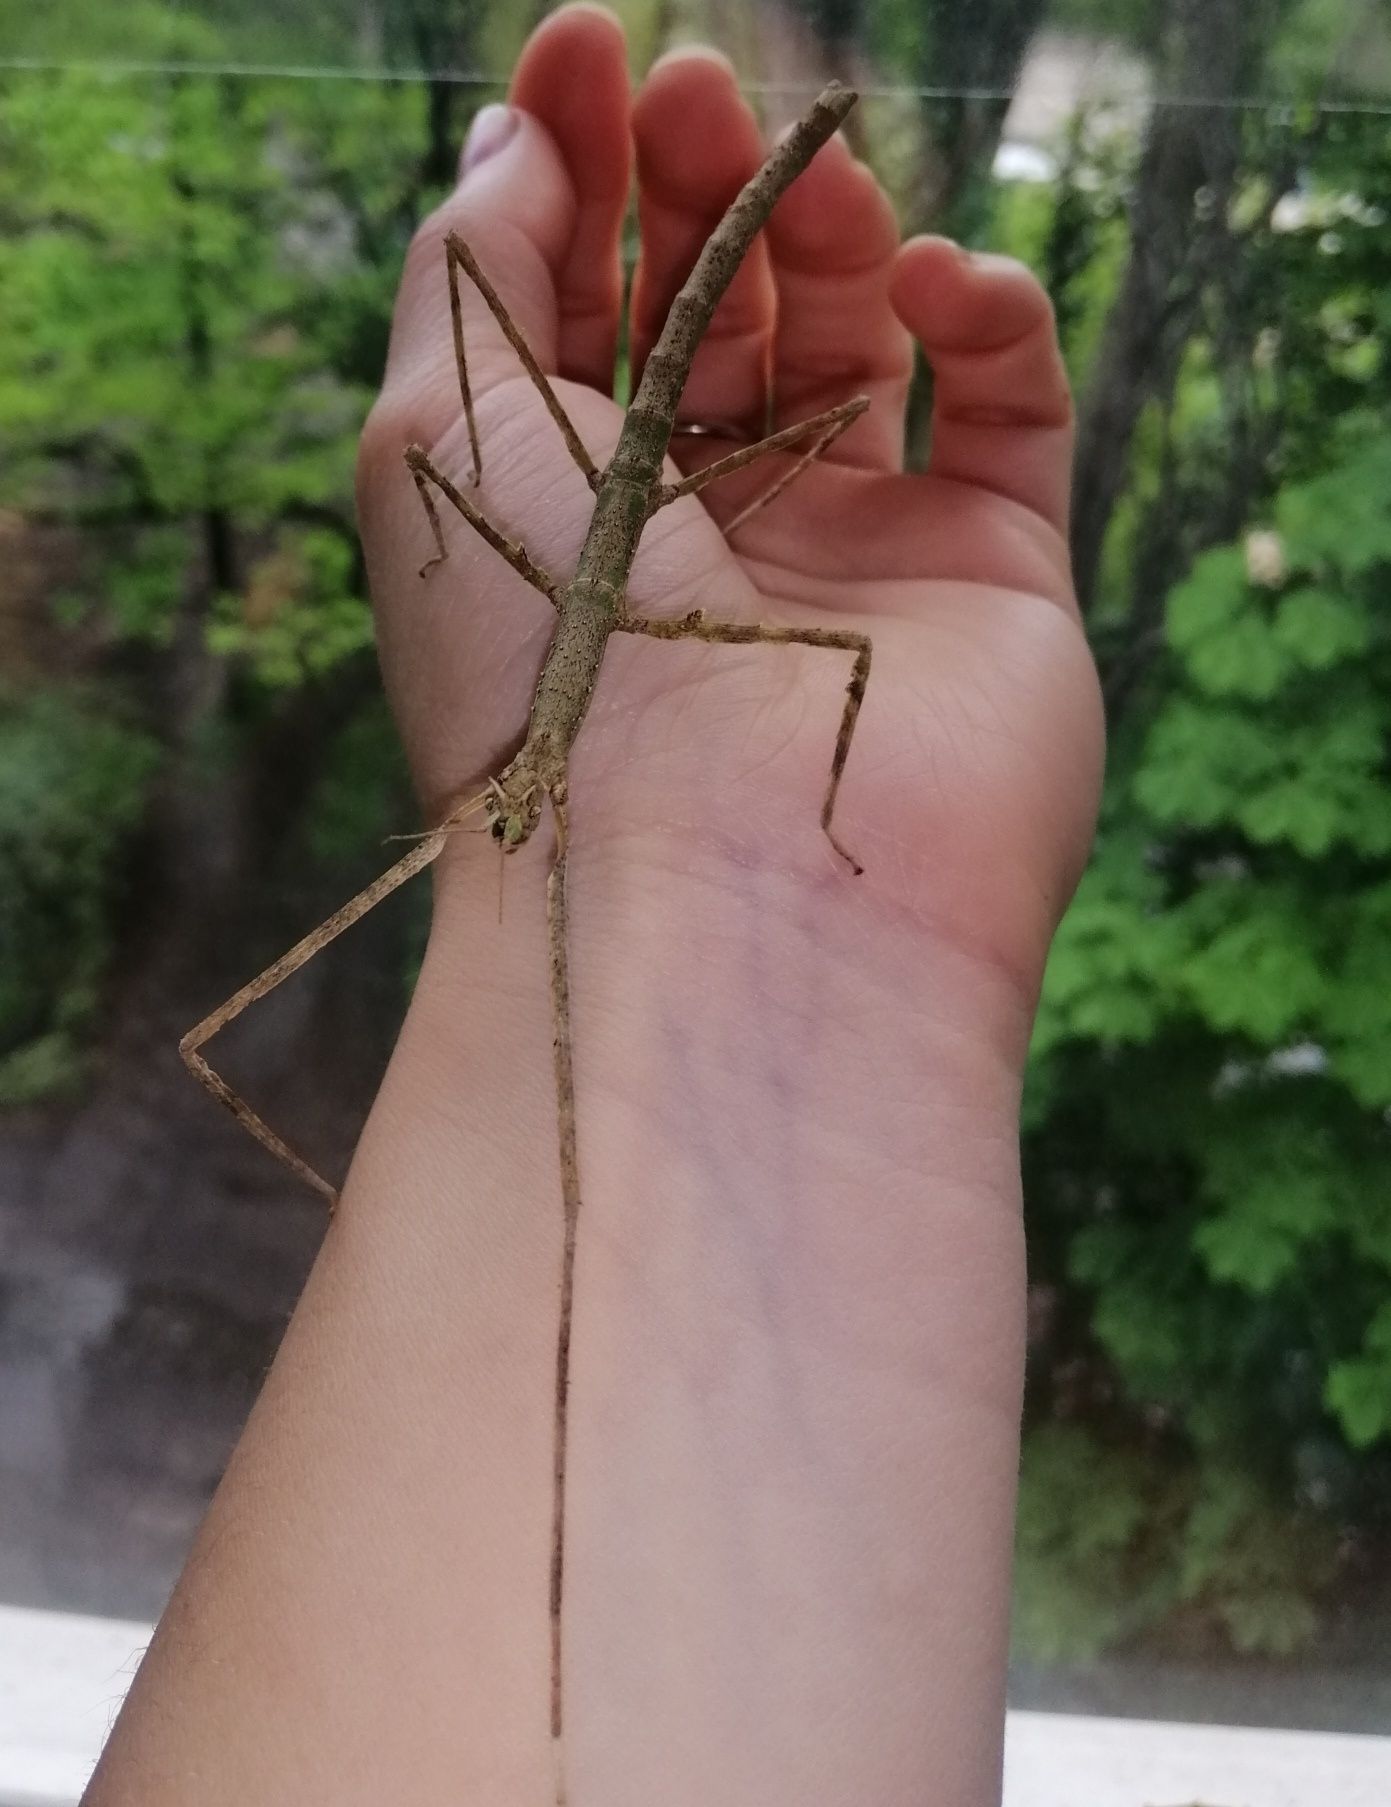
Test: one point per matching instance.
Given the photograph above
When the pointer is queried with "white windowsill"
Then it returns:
(63, 1677)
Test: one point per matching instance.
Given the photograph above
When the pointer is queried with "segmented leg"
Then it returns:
(426, 473)
(827, 426)
(557, 931)
(459, 257)
(354, 910)
(739, 633)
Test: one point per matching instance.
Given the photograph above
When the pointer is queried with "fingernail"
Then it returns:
(492, 127)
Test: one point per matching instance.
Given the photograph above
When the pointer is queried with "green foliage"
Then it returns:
(73, 784)
(1206, 1110)
(1248, 1563)
(195, 275)
(245, 29)
(364, 773)
(1085, 1576)
(159, 280)
(1208, 1140)
(1112, 1539)
(1359, 1389)
(298, 617)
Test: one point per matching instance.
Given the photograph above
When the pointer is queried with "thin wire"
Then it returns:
(473, 78)
(304, 72)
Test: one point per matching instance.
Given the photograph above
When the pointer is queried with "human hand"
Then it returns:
(799, 1309)
(971, 786)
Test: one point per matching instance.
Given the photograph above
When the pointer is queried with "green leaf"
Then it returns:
(1307, 779)
(1321, 628)
(1200, 761)
(1358, 1393)
(1084, 1578)
(1248, 1559)
(73, 783)
(1357, 1017)
(1259, 972)
(1358, 1390)
(1271, 1195)
(1223, 629)
(1339, 521)
(1106, 971)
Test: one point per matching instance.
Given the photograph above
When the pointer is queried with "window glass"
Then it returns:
(203, 208)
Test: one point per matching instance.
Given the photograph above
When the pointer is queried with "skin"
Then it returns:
(799, 1322)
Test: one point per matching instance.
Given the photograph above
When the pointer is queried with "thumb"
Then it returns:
(515, 207)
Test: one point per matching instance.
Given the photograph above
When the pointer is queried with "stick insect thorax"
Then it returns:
(593, 604)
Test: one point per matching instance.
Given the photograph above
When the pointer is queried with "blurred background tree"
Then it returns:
(196, 266)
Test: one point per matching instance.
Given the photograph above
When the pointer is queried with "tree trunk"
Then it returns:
(445, 36)
(971, 56)
(1179, 236)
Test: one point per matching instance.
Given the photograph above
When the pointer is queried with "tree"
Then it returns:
(195, 317)
(1181, 244)
(1207, 1116)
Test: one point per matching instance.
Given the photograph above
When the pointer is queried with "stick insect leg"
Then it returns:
(557, 939)
(827, 428)
(427, 474)
(415, 861)
(738, 633)
(459, 257)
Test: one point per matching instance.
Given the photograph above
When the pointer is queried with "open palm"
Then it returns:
(971, 784)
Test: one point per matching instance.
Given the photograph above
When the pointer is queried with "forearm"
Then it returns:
(795, 1398)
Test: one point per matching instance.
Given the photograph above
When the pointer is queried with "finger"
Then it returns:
(697, 144)
(515, 206)
(1002, 407)
(833, 238)
(573, 77)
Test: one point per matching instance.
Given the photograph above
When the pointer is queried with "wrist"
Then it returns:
(761, 1055)
(677, 940)
(795, 1391)
(798, 1323)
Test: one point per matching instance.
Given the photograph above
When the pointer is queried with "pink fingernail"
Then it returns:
(492, 127)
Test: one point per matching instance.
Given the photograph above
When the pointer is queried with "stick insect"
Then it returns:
(589, 608)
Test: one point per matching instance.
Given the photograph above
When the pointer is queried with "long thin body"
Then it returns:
(591, 605)
(589, 608)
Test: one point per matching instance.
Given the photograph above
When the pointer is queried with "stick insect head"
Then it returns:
(513, 806)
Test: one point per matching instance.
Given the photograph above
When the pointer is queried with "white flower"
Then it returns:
(1265, 559)
(1266, 349)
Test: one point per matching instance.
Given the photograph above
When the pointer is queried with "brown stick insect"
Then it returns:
(589, 608)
